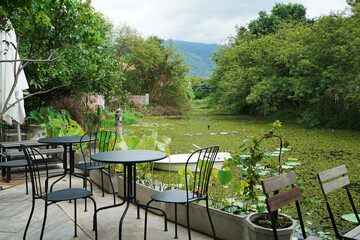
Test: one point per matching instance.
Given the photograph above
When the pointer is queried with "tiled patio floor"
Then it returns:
(15, 208)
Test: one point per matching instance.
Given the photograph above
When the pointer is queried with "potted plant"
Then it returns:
(257, 220)
(35, 119)
(53, 124)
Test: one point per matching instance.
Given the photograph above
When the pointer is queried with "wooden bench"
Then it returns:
(16, 158)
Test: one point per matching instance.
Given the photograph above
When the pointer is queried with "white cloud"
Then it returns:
(207, 21)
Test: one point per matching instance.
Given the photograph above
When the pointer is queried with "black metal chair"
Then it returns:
(335, 179)
(40, 177)
(196, 188)
(102, 141)
(280, 199)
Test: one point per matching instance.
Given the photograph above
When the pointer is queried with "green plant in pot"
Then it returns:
(53, 123)
(249, 182)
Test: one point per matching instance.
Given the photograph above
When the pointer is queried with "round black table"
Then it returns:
(67, 142)
(129, 158)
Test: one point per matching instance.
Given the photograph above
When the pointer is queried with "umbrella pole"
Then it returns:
(18, 132)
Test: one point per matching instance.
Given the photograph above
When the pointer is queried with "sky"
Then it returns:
(204, 21)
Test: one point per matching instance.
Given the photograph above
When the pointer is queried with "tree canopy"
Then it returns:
(151, 67)
(280, 14)
(306, 72)
(70, 32)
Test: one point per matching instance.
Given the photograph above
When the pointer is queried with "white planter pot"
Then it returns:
(95, 176)
(256, 232)
(36, 132)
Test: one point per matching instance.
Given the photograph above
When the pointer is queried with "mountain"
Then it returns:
(197, 56)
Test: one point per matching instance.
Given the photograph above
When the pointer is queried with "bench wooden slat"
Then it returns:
(16, 144)
(336, 184)
(354, 233)
(282, 199)
(276, 183)
(42, 151)
(332, 173)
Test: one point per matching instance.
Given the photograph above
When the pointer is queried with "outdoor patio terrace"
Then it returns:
(15, 209)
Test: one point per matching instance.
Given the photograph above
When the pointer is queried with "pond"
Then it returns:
(316, 149)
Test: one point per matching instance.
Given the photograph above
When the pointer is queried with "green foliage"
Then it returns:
(150, 67)
(56, 124)
(280, 14)
(129, 117)
(252, 156)
(152, 142)
(73, 34)
(308, 70)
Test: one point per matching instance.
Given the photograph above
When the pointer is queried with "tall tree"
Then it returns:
(151, 67)
(280, 14)
(309, 73)
(73, 34)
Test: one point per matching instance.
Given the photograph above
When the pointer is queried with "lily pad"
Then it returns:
(224, 133)
(263, 173)
(350, 217)
(287, 167)
(293, 163)
(261, 198)
(274, 154)
(283, 149)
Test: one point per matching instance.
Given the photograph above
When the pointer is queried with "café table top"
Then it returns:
(64, 140)
(128, 156)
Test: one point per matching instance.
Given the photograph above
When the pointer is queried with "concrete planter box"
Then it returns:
(95, 176)
(227, 226)
(256, 232)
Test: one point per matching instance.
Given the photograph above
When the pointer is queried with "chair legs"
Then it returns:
(75, 220)
(176, 236)
(102, 182)
(29, 220)
(45, 217)
(211, 223)
(44, 221)
(146, 211)
(188, 220)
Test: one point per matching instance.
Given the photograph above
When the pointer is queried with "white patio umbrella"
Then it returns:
(7, 78)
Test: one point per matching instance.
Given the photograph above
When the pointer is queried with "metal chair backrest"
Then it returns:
(102, 141)
(38, 169)
(331, 180)
(204, 159)
(280, 199)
